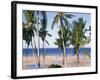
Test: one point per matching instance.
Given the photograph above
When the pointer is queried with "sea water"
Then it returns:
(55, 51)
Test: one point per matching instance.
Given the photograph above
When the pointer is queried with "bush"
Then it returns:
(55, 66)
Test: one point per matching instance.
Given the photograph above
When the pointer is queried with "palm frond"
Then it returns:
(47, 42)
(55, 21)
(68, 15)
(49, 34)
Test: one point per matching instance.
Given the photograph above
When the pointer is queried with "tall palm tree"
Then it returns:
(27, 34)
(66, 38)
(43, 35)
(43, 32)
(62, 19)
(38, 47)
(86, 41)
(29, 27)
(58, 42)
(25, 37)
(78, 35)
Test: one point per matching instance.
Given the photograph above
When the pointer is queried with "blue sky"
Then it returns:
(50, 16)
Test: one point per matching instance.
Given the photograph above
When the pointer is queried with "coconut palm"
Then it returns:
(27, 34)
(43, 35)
(58, 42)
(62, 19)
(43, 32)
(29, 27)
(78, 36)
(38, 47)
(25, 37)
(66, 38)
(86, 41)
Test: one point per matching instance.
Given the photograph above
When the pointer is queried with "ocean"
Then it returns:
(55, 51)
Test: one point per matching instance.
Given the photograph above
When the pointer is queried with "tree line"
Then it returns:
(35, 25)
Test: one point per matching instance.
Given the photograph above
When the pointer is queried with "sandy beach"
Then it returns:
(30, 61)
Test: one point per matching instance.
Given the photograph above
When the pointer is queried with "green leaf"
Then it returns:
(47, 42)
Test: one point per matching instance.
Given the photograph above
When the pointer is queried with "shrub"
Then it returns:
(55, 66)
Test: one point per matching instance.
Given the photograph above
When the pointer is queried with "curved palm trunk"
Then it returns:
(43, 54)
(27, 56)
(32, 48)
(33, 51)
(38, 41)
(63, 58)
(83, 51)
(65, 55)
(64, 48)
(77, 56)
(77, 59)
(77, 48)
(36, 51)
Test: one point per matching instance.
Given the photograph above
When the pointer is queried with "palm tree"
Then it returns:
(43, 35)
(86, 41)
(38, 49)
(43, 32)
(25, 37)
(66, 38)
(58, 42)
(78, 35)
(29, 27)
(27, 34)
(38, 14)
(62, 19)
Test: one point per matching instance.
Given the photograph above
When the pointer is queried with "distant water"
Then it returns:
(55, 51)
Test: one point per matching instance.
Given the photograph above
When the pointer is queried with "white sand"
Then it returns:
(71, 61)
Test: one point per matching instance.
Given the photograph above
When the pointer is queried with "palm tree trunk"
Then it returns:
(27, 56)
(33, 50)
(77, 56)
(64, 48)
(83, 51)
(38, 41)
(63, 58)
(65, 55)
(43, 54)
(36, 50)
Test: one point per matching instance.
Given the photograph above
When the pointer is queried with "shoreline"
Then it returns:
(29, 62)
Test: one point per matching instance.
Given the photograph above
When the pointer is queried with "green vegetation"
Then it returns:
(43, 32)
(35, 26)
(29, 28)
(55, 66)
(62, 19)
(78, 37)
(66, 38)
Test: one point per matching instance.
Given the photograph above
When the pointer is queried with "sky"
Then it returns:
(50, 17)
